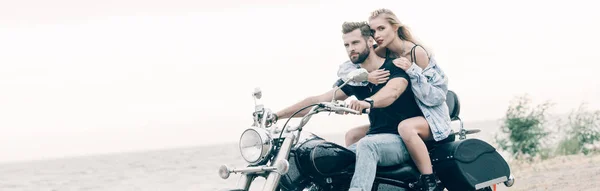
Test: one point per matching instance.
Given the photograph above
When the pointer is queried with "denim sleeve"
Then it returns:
(429, 86)
(346, 68)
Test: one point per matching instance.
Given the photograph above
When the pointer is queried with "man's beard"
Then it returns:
(362, 56)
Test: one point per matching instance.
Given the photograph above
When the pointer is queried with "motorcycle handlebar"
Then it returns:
(345, 109)
(341, 107)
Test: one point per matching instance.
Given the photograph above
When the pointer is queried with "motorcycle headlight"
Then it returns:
(255, 145)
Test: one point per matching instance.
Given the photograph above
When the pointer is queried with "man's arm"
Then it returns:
(389, 93)
(287, 112)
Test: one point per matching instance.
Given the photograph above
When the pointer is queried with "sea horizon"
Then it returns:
(230, 141)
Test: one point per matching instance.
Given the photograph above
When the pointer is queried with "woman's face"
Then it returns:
(383, 32)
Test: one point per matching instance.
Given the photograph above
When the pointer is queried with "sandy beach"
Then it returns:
(577, 172)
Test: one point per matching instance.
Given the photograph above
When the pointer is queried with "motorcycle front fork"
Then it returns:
(272, 180)
(245, 181)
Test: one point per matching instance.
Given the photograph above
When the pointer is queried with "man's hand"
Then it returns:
(402, 63)
(359, 105)
(379, 76)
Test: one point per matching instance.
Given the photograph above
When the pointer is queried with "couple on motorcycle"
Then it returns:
(405, 93)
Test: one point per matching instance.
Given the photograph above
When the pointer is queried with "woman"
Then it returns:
(428, 83)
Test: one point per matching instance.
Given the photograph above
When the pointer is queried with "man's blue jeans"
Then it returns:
(372, 151)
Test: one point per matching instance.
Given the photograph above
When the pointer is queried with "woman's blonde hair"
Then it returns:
(403, 31)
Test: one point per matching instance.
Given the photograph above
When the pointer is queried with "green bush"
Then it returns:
(582, 132)
(523, 129)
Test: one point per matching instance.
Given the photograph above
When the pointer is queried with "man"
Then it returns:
(390, 103)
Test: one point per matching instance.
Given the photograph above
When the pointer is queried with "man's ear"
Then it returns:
(371, 42)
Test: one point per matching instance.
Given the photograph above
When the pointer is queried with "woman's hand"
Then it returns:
(402, 63)
(379, 76)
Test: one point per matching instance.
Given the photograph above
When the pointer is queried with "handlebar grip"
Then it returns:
(366, 111)
(348, 110)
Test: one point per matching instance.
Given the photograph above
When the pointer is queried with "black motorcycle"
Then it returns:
(294, 161)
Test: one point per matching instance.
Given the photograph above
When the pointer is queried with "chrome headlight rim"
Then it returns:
(266, 144)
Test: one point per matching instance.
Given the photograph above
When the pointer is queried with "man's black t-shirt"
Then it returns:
(386, 120)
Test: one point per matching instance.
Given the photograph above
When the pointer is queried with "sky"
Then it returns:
(88, 77)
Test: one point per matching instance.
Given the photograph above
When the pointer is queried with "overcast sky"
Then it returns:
(82, 77)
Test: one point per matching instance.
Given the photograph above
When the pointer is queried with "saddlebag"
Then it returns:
(469, 164)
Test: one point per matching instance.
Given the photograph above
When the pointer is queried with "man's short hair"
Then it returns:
(363, 26)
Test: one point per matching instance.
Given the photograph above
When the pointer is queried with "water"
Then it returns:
(175, 169)
(172, 169)
(182, 169)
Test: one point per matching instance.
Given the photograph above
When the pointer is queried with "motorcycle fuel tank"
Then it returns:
(314, 160)
(320, 158)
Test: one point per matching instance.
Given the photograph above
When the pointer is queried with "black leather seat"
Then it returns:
(406, 172)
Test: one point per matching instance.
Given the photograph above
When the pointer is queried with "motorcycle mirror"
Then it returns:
(257, 93)
(358, 75)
